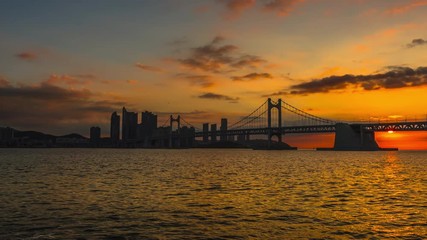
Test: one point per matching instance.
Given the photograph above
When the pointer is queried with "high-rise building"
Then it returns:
(115, 127)
(95, 134)
(147, 126)
(149, 122)
(205, 132)
(213, 132)
(129, 125)
(223, 129)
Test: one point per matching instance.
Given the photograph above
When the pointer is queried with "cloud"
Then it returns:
(407, 6)
(216, 57)
(204, 81)
(275, 94)
(53, 109)
(236, 7)
(252, 77)
(395, 77)
(280, 7)
(27, 56)
(148, 68)
(215, 96)
(416, 42)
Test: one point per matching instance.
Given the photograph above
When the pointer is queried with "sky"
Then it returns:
(67, 65)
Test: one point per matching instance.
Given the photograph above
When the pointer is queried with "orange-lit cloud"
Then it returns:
(407, 6)
(204, 81)
(148, 68)
(72, 80)
(280, 7)
(236, 7)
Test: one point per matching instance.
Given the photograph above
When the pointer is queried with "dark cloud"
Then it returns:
(416, 42)
(394, 77)
(275, 94)
(216, 96)
(148, 68)
(216, 57)
(53, 109)
(204, 81)
(27, 56)
(252, 76)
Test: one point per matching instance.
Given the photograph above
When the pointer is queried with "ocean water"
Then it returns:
(211, 194)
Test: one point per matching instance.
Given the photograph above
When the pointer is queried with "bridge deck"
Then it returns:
(377, 127)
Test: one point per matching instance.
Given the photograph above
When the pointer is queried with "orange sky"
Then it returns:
(66, 66)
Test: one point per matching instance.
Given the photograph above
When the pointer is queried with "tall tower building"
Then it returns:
(223, 129)
(115, 127)
(129, 125)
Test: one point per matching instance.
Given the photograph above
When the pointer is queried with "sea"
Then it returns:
(212, 194)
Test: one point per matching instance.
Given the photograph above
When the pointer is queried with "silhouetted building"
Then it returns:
(223, 129)
(205, 132)
(187, 136)
(115, 128)
(6, 134)
(213, 132)
(129, 125)
(95, 134)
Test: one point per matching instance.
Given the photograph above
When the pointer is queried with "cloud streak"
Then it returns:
(416, 42)
(148, 68)
(216, 96)
(395, 77)
(252, 77)
(27, 56)
(407, 6)
(280, 7)
(235, 8)
(204, 81)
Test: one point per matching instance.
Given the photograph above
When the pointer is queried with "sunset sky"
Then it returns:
(67, 65)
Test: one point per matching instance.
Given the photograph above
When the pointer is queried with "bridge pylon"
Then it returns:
(171, 135)
(274, 131)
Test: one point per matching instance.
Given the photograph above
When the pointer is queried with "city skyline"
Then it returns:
(66, 66)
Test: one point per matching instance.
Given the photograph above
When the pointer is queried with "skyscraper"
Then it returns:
(223, 129)
(115, 127)
(129, 125)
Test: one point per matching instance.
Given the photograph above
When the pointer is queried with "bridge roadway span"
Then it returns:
(377, 127)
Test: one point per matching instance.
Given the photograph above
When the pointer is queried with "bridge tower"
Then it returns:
(276, 131)
(171, 135)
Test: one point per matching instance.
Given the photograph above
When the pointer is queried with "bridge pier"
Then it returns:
(171, 135)
(278, 132)
(354, 138)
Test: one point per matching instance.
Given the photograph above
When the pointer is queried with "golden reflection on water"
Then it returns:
(219, 194)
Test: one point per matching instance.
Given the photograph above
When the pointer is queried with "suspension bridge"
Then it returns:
(274, 119)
